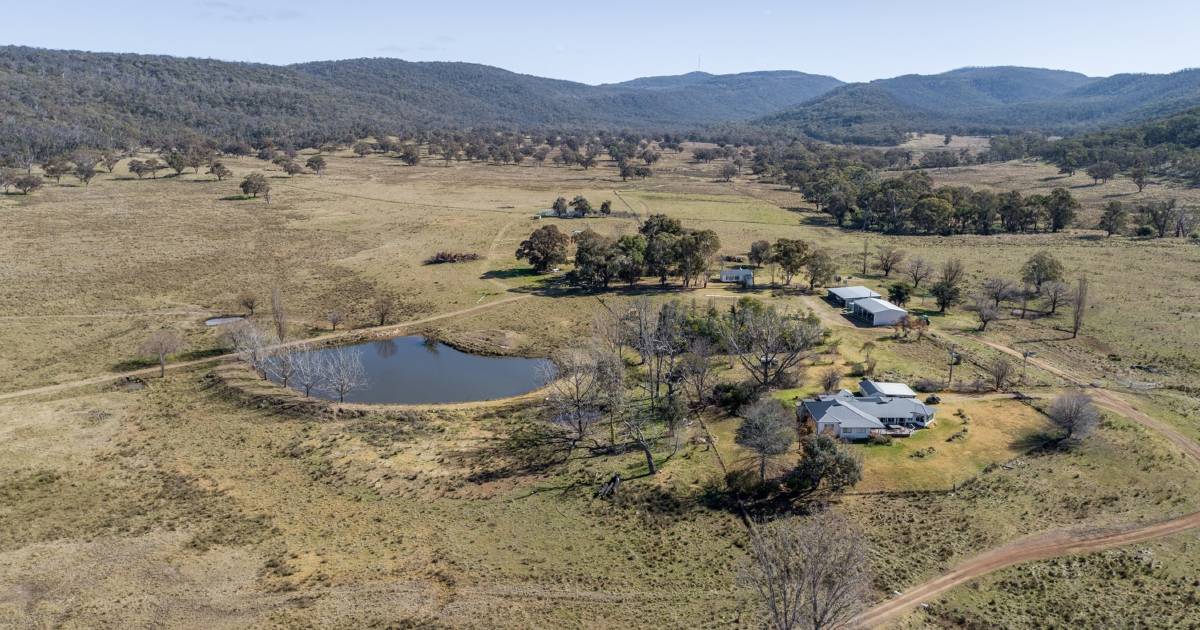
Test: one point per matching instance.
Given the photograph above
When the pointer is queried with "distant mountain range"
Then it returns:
(986, 100)
(97, 96)
(69, 97)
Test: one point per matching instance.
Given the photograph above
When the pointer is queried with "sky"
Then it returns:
(616, 40)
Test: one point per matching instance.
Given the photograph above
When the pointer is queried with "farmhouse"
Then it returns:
(845, 296)
(742, 276)
(877, 312)
(851, 417)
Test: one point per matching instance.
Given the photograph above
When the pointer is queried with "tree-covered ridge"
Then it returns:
(68, 98)
(985, 101)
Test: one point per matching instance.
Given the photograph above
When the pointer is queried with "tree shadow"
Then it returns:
(238, 198)
(1040, 443)
(530, 449)
(818, 220)
(509, 274)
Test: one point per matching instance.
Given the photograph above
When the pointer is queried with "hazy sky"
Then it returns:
(614, 40)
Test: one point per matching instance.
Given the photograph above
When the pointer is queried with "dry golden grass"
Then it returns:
(182, 505)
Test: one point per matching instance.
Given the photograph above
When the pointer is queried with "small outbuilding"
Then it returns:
(739, 275)
(891, 390)
(877, 312)
(845, 296)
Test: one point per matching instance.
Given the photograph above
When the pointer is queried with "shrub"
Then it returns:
(451, 257)
(879, 439)
(1145, 230)
(932, 399)
(857, 369)
(732, 396)
(928, 385)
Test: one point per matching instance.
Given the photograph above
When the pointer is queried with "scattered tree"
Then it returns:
(255, 184)
(809, 572)
(768, 429)
(830, 379)
(888, 258)
(1101, 172)
(344, 372)
(767, 342)
(248, 301)
(825, 465)
(1041, 268)
(278, 314)
(382, 309)
(1075, 414)
(1001, 369)
(1112, 221)
(899, 293)
(219, 170)
(1055, 293)
(334, 318)
(760, 253)
(918, 270)
(546, 247)
(819, 268)
(160, 344)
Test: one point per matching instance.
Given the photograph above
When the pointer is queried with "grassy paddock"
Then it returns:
(229, 515)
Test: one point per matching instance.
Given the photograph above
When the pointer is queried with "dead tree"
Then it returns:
(1075, 414)
(809, 572)
(769, 343)
(576, 393)
(344, 372)
(382, 308)
(160, 344)
(278, 314)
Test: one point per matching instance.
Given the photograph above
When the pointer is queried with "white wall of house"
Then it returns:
(847, 433)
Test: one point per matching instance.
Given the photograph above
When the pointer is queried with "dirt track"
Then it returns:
(376, 330)
(1036, 547)
(1052, 543)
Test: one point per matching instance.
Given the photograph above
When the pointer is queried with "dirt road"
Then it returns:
(1052, 543)
(1036, 547)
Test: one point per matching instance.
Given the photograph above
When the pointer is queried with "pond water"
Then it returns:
(222, 320)
(413, 370)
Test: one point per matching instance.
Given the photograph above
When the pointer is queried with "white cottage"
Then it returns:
(738, 275)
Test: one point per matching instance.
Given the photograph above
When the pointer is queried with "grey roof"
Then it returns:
(876, 388)
(840, 410)
(875, 305)
(853, 293)
(864, 412)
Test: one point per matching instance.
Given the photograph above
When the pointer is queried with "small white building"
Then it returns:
(845, 296)
(891, 390)
(742, 276)
(877, 312)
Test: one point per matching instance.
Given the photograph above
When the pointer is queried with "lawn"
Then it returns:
(996, 432)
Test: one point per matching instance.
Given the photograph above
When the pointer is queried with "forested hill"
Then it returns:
(96, 98)
(986, 100)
